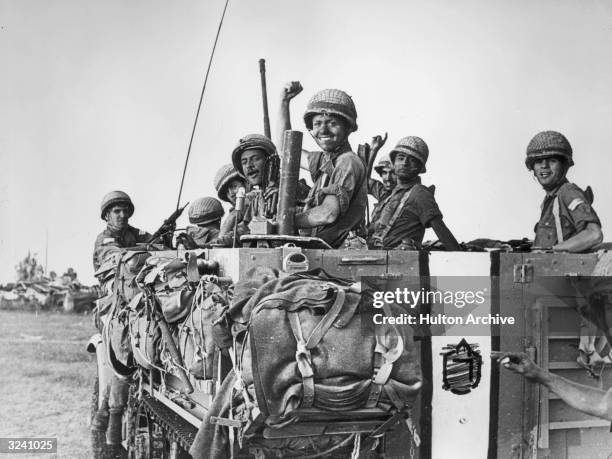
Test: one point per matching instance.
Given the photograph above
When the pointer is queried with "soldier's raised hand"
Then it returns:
(378, 142)
(290, 90)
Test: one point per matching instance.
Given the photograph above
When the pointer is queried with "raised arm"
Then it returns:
(289, 91)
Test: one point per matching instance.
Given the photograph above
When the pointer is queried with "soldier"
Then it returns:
(251, 158)
(411, 207)
(116, 209)
(337, 201)
(382, 189)
(567, 222)
(227, 183)
(205, 214)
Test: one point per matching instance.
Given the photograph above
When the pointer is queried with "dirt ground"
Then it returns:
(46, 379)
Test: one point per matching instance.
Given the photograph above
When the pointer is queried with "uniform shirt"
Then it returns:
(226, 232)
(378, 190)
(203, 235)
(380, 193)
(418, 212)
(111, 239)
(575, 214)
(341, 175)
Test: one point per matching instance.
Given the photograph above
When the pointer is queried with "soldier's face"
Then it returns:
(549, 171)
(118, 216)
(406, 167)
(329, 131)
(232, 189)
(253, 166)
(388, 178)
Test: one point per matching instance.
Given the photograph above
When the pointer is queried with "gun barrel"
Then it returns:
(264, 95)
(290, 173)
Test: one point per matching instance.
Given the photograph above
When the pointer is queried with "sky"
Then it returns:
(97, 96)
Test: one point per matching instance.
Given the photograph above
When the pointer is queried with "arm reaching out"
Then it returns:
(587, 399)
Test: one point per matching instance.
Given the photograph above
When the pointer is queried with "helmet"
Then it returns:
(384, 163)
(413, 146)
(548, 143)
(224, 176)
(256, 141)
(114, 198)
(331, 101)
(205, 210)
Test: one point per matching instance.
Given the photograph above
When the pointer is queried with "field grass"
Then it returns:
(46, 379)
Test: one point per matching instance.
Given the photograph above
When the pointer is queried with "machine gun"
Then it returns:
(168, 225)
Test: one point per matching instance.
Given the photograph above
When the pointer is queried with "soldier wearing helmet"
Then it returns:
(567, 222)
(336, 203)
(205, 216)
(116, 209)
(251, 158)
(411, 207)
(227, 183)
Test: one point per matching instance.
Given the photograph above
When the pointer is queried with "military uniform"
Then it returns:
(341, 175)
(419, 210)
(110, 240)
(202, 235)
(575, 213)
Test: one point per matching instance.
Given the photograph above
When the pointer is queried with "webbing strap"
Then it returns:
(555, 211)
(396, 214)
(302, 354)
(327, 321)
(304, 361)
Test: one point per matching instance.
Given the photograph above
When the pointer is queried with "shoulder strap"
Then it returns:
(397, 213)
(555, 212)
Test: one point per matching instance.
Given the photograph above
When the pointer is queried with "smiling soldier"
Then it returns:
(568, 222)
(411, 207)
(336, 203)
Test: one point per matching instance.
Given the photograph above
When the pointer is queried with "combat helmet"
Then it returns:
(251, 141)
(546, 144)
(412, 146)
(224, 176)
(383, 163)
(205, 210)
(331, 101)
(113, 198)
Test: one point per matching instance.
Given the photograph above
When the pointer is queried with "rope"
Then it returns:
(195, 121)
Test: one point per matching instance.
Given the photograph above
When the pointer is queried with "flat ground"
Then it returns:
(46, 379)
